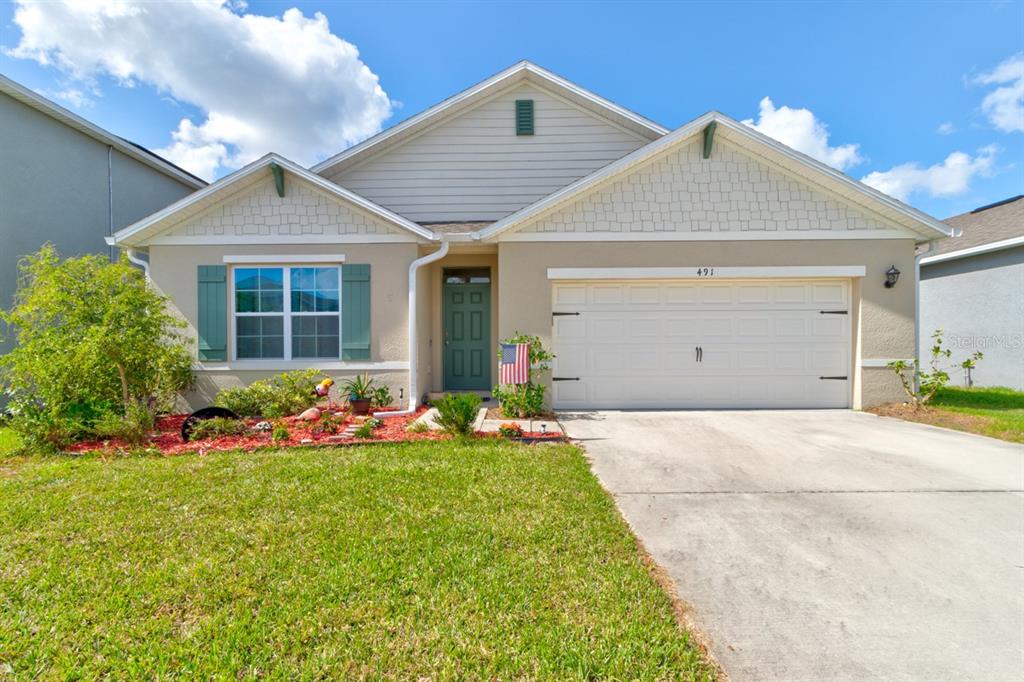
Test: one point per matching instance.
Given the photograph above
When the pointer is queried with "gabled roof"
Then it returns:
(771, 151)
(36, 101)
(998, 222)
(520, 72)
(138, 233)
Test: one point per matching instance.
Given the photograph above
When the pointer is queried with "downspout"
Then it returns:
(414, 399)
(110, 196)
(133, 257)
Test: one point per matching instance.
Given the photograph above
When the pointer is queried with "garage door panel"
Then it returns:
(763, 344)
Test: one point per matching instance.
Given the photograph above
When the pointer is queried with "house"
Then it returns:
(67, 181)
(707, 266)
(972, 287)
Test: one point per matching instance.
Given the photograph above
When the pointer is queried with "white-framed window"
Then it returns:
(286, 312)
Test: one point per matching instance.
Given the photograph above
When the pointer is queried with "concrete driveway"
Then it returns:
(827, 545)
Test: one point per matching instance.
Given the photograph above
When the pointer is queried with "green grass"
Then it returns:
(1001, 409)
(482, 560)
(9, 442)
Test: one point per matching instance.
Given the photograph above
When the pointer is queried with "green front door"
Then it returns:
(467, 336)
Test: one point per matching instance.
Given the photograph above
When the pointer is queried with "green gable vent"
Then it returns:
(524, 117)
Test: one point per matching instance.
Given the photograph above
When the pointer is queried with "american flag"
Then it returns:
(515, 363)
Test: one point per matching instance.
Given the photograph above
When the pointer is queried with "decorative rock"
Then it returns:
(306, 440)
(310, 415)
(264, 426)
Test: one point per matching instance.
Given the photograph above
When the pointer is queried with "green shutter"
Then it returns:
(213, 312)
(355, 312)
(524, 117)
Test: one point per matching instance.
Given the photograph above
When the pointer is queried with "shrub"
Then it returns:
(216, 428)
(510, 430)
(417, 427)
(526, 400)
(381, 397)
(922, 384)
(365, 429)
(279, 396)
(359, 387)
(456, 412)
(328, 424)
(131, 427)
(94, 341)
(280, 433)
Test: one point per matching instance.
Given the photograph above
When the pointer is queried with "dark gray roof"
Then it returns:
(987, 224)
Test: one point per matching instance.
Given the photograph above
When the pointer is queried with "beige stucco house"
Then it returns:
(707, 266)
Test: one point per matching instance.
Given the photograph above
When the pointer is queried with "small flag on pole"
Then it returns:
(515, 363)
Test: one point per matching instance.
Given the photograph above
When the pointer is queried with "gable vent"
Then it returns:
(524, 117)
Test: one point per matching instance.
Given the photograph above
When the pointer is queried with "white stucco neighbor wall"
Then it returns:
(979, 303)
(258, 211)
(683, 192)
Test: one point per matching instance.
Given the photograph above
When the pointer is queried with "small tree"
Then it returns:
(922, 385)
(525, 400)
(93, 339)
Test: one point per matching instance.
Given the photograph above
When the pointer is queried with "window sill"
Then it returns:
(284, 365)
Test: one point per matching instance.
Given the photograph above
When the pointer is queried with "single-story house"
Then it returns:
(972, 287)
(66, 181)
(706, 266)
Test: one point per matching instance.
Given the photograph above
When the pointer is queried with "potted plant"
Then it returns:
(360, 391)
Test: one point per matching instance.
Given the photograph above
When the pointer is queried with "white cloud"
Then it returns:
(801, 130)
(284, 84)
(946, 128)
(949, 178)
(76, 97)
(1004, 106)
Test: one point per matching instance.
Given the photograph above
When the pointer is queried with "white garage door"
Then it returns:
(692, 344)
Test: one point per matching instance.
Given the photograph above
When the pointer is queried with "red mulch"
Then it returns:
(166, 438)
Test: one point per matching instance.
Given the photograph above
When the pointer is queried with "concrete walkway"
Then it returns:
(828, 545)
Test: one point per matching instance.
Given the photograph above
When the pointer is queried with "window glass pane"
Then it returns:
(259, 337)
(327, 325)
(247, 302)
(327, 347)
(272, 279)
(273, 346)
(248, 347)
(327, 278)
(303, 278)
(248, 326)
(303, 346)
(247, 278)
(327, 301)
(271, 302)
(304, 326)
(273, 325)
(302, 302)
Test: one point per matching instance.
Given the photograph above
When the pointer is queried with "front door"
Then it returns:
(467, 330)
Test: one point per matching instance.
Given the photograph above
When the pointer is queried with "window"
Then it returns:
(287, 313)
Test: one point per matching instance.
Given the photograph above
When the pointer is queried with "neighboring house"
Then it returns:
(972, 287)
(708, 266)
(66, 181)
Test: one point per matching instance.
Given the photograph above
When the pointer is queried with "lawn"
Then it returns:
(995, 412)
(432, 559)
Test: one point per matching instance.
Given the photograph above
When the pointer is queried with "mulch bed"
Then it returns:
(166, 438)
(497, 413)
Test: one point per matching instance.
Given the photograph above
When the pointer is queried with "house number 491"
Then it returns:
(705, 272)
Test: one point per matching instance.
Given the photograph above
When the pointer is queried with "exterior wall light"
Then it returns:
(892, 275)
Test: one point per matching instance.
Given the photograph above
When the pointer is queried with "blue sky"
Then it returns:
(900, 86)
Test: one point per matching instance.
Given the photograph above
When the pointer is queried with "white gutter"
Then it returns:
(974, 250)
(414, 399)
(133, 257)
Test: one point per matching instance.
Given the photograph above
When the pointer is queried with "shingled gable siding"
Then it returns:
(258, 211)
(683, 192)
(475, 167)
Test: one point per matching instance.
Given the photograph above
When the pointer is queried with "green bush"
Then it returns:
(216, 428)
(525, 400)
(279, 396)
(456, 412)
(328, 424)
(132, 427)
(365, 429)
(94, 342)
(381, 397)
(280, 433)
(417, 427)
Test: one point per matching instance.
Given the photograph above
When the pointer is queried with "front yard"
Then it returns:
(995, 412)
(436, 559)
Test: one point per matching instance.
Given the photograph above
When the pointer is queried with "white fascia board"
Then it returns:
(296, 258)
(282, 365)
(33, 99)
(497, 80)
(934, 228)
(711, 272)
(974, 250)
(281, 239)
(726, 236)
(125, 236)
